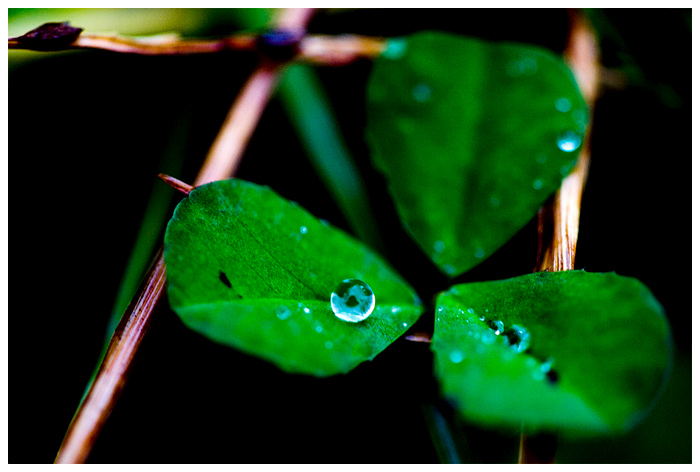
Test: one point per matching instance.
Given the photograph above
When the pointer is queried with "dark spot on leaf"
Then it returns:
(50, 37)
(552, 376)
(280, 44)
(224, 279)
(239, 295)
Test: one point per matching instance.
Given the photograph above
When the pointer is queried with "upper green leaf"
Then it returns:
(249, 269)
(586, 352)
(473, 136)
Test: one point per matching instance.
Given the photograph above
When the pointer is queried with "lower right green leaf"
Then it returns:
(572, 352)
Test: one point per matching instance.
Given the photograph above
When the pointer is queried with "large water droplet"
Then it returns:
(562, 104)
(569, 141)
(518, 337)
(283, 312)
(353, 300)
(422, 92)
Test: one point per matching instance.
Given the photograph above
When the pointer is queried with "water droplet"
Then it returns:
(422, 92)
(541, 158)
(456, 356)
(395, 48)
(547, 365)
(470, 311)
(518, 337)
(395, 309)
(405, 325)
(537, 184)
(303, 230)
(562, 104)
(479, 253)
(449, 270)
(439, 309)
(482, 318)
(494, 201)
(328, 344)
(318, 328)
(496, 326)
(283, 312)
(307, 310)
(569, 141)
(353, 300)
(438, 246)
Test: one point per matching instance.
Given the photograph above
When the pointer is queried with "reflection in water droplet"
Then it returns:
(569, 141)
(479, 253)
(518, 337)
(537, 184)
(456, 356)
(422, 92)
(303, 230)
(283, 312)
(353, 300)
(562, 104)
(438, 246)
(395, 48)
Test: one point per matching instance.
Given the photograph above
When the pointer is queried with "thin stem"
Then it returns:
(177, 184)
(560, 253)
(111, 378)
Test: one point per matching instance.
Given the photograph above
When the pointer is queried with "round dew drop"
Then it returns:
(353, 300)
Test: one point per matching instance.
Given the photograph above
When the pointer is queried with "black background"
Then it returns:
(87, 131)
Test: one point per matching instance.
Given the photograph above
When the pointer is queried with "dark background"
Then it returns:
(87, 133)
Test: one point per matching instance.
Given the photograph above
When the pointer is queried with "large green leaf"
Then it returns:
(595, 354)
(251, 270)
(473, 136)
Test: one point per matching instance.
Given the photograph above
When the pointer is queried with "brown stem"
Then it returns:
(111, 377)
(563, 213)
(176, 184)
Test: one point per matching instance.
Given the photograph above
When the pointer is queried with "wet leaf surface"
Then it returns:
(254, 271)
(473, 137)
(595, 354)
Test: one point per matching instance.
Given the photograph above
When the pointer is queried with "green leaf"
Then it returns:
(251, 270)
(470, 135)
(598, 353)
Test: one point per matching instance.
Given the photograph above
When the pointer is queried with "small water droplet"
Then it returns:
(456, 356)
(283, 312)
(482, 318)
(470, 311)
(479, 253)
(537, 184)
(395, 48)
(518, 337)
(494, 201)
(440, 309)
(496, 326)
(405, 325)
(353, 300)
(318, 328)
(303, 230)
(449, 269)
(562, 104)
(541, 158)
(568, 141)
(328, 344)
(547, 365)
(438, 246)
(422, 92)
(395, 309)
(307, 310)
